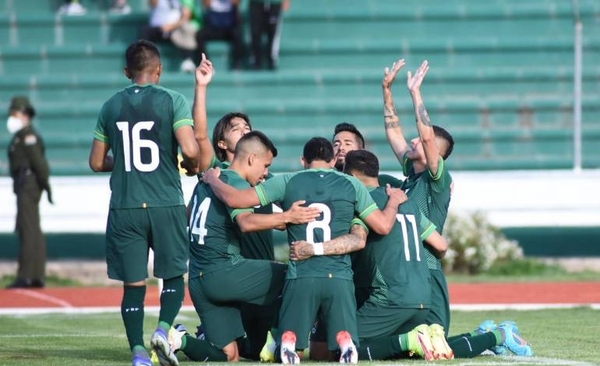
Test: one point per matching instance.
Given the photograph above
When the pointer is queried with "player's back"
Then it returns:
(335, 195)
(394, 264)
(139, 122)
(214, 236)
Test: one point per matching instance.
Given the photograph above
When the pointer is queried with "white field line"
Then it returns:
(44, 297)
(485, 307)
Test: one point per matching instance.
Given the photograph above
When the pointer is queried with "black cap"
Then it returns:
(21, 103)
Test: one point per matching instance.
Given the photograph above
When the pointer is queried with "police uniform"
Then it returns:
(30, 172)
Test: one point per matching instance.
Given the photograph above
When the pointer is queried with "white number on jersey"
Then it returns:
(322, 224)
(135, 146)
(198, 219)
(404, 221)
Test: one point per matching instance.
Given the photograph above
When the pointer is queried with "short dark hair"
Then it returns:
(141, 55)
(349, 127)
(446, 136)
(318, 148)
(219, 131)
(362, 161)
(258, 137)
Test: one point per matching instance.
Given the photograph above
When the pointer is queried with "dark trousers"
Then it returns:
(155, 34)
(32, 244)
(264, 19)
(233, 35)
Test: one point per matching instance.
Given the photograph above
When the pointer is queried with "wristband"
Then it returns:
(318, 248)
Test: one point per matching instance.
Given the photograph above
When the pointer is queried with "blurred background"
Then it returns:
(517, 83)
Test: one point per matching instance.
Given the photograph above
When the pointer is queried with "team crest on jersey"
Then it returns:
(30, 140)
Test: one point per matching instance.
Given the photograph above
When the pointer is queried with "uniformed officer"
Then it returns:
(29, 170)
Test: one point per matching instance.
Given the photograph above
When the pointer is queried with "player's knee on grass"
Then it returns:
(231, 351)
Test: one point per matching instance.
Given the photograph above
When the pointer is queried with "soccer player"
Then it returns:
(143, 125)
(323, 283)
(393, 285)
(220, 278)
(346, 138)
(429, 184)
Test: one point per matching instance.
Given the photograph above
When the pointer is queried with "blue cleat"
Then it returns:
(489, 326)
(160, 344)
(513, 340)
(141, 360)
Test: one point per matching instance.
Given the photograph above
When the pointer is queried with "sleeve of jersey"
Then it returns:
(426, 227)
(100, 131)
(273, 190)
(364, 203)
(357, 221)
(406, 164)
(442, 179)
(181, 111)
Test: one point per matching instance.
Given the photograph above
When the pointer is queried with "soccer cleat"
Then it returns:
(489, 326)
(176, 333)
(267, 353)
(160, 343)
(288, 348)
(513, 340)
(141, 360)
(347, 347)
(419, 342)
(441, 349)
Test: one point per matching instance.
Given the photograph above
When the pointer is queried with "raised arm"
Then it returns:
(393, 130)
(231, 196)
(296, 214)
(355, 240)
(426, 134)
(204, 74)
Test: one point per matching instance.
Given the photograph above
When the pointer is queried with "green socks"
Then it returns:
(132, 312)
(171, 299)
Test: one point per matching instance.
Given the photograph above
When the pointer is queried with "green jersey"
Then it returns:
(256, 244)
(432, 196)
(340, 198)
(393, 266)
(138, 123)
(214, 235)
(394, 182)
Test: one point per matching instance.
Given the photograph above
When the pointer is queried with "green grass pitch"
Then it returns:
(558, 337)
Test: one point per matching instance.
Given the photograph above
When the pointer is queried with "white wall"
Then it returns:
(511, 199)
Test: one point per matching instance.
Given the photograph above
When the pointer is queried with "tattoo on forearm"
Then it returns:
(343, 244)
(393, 124)
(423, 115)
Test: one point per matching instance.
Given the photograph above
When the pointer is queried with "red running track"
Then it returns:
(550, 293)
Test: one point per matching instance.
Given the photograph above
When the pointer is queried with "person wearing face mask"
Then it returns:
(30, 172)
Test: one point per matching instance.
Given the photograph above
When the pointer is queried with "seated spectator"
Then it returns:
(120, 7)
(222, 22)
(266, 19)
(175, 21)
(72, 7)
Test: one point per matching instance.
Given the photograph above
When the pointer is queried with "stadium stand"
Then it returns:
(501, 77)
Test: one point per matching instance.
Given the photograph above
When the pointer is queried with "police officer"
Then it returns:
(29, 170)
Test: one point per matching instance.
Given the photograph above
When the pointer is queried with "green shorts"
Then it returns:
(440, 301)
(217, 295)
(130, 233)
(377, 320)
(331, 298)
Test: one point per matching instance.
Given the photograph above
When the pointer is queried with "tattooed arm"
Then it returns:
(355, 240)
(424, 127)
(393, 130)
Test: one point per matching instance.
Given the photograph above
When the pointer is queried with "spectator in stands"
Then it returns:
(265, 18)
(30, 172)
(120, 7)
(175, 21)
(222, 22)
(72, 7)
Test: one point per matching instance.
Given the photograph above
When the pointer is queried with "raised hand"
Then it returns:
(413, 82)
(390, 74)
(204, 71)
